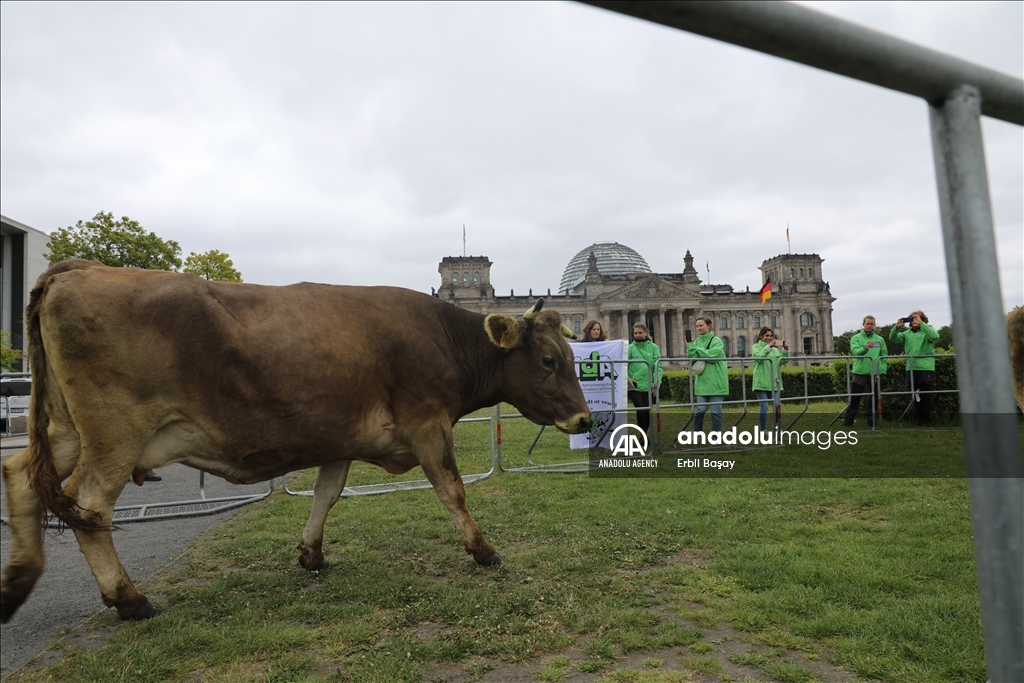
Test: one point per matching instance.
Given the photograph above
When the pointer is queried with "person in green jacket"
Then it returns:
(712, 385)
(640, 392)
(918, 343)
(767, 381)
(867, 348)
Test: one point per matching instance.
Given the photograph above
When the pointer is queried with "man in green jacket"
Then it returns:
(712, 385)
(641, 390)
(867, 349)
(919, 343)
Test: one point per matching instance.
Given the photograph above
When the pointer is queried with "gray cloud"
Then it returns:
(349, 143)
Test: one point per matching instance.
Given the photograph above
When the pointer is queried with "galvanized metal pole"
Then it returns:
(991, 437)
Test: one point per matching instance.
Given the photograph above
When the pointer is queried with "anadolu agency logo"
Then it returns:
(627, 444)
(629, 448)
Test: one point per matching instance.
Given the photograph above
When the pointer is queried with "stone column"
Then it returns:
(662, 333)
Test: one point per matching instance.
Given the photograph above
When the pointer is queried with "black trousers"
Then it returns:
(863, 386)
(641, 400)
(924, 385)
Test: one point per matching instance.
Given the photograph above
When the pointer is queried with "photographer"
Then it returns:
(867, 347)
(918, 341)
(767, 381)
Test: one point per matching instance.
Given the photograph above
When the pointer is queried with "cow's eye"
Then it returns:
(549, 362)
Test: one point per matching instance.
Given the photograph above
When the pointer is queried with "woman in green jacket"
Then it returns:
(918, 341)
(640, 392)
(767, 380)
(712, 385)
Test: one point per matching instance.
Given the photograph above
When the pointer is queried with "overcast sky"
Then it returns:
(349, 143)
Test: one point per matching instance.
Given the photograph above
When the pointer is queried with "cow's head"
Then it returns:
(539, 372)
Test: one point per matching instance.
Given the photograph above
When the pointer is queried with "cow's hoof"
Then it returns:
(491, 561)
(319, 566)
(139, 613)
(8, 607)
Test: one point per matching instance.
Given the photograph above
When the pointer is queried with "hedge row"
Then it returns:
(828, 380)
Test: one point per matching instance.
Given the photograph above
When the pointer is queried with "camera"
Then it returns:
(908, 320)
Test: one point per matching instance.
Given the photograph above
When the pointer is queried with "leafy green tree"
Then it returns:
(213, 265)
(116, 243)
(841, 344)
(945, 340)
(9, 356)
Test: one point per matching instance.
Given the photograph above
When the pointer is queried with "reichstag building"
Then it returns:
(610, 282)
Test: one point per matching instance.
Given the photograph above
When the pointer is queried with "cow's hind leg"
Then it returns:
(25, 517)
(330, 482)
(437, 457)
(97, 488)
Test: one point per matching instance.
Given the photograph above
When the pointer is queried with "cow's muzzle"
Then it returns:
(577, 424)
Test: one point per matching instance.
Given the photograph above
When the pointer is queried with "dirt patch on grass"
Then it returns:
(723, 654)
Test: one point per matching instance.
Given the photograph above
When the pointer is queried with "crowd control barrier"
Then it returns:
(196, 507)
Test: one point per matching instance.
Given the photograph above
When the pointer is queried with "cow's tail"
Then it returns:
(42, 473)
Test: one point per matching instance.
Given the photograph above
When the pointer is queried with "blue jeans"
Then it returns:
(763, 397)
(716, 413)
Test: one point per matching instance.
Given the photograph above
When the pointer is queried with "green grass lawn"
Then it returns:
(874, 574)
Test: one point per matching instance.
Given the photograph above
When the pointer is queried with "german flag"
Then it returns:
(766, 291)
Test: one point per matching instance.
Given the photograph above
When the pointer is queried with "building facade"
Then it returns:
(612, 283)
(22, 261)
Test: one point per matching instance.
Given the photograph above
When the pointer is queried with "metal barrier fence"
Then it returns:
(196, 507)
(205, 506)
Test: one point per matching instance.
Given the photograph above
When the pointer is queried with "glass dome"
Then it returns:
(612, 259)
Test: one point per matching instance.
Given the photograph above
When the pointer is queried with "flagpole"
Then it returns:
(463, 240)
(789, 247)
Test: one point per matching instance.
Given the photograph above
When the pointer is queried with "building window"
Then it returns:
(465, 277)
(792, 272)
(725, 346)
(455, 277)
(757, 322)
(739, 323)
(576, 326)
(724, 324)
(805, 319)
(741, 346)
(810, 272)
(476, 276)
(801, 272)
(775, 322)
(808, 346)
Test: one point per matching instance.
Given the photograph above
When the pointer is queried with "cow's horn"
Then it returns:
(531, 314)
(566, 332)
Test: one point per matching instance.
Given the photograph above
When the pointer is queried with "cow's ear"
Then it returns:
(503, 330)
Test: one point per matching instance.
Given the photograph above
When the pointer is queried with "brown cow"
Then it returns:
(1015, 328)
(137, 369)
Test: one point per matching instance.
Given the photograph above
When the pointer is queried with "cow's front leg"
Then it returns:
(330, 482)
(439, 465)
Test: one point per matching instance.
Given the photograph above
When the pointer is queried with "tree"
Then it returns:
(115, 243)
(841, 344)
(945, 340)
(213, 265)
(9, 356)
